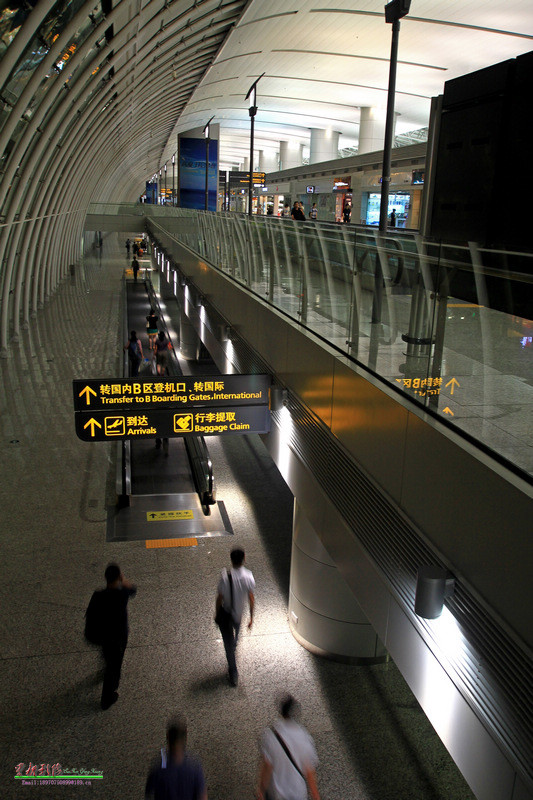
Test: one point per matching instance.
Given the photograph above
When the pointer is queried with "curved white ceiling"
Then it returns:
(323, 61)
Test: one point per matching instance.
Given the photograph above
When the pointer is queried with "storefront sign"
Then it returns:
(342, 184)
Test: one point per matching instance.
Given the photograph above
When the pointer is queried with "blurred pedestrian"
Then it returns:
(235, 587)
(109, 605)
(179, 776)
(288, 758)
(313, 214)
(393, 218)
(151, 328)
(128, 245)
(135, 268)
(135, 354)
(162, 346)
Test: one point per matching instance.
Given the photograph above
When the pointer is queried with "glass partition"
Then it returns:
(450, 327)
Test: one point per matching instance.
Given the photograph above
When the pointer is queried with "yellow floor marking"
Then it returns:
(463, 305)
(150, 543)
(166, 516)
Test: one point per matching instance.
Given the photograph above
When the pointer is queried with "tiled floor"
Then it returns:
(373, 741)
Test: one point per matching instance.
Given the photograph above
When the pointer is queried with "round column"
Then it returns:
(324, 615)
(290, 155)
(324, 145)
(189, 340)
(372, 130)
(268, 161)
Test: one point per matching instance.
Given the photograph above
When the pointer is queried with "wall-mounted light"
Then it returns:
(433, 585)
(278, 398)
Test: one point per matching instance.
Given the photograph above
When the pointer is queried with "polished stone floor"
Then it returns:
(373, 741)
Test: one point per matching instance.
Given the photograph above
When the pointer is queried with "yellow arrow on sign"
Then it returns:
(88, 394)
(454, 382)
(92, 422)
(448, 411)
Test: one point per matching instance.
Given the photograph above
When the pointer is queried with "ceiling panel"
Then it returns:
(323, 60)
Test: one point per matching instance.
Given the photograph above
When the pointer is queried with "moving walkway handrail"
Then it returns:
(202, 470)
(195, 446)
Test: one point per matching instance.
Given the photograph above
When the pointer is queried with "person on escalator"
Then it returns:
(162, 346)
(135, 354)
(151, 328)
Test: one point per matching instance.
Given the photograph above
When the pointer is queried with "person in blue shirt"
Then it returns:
(179, 776)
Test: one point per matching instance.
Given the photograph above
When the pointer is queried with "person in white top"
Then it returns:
(232, 596)
(288, 759)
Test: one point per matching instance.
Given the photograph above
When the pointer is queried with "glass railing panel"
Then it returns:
(483, 351)
(449, 327)
(328, 273)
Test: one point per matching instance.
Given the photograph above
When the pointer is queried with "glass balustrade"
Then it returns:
(451, 327)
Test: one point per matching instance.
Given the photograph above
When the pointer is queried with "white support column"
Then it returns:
(324, 145)
(371, 130)
(290, 154)
(324, 615)
(268, 161)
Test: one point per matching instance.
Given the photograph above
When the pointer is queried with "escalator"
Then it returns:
(165, 488)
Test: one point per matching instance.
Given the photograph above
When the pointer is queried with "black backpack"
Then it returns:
(94, 626)
(133, 350)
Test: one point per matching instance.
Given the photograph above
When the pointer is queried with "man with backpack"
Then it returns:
(106, 625)
(235, 587)
(135, 353)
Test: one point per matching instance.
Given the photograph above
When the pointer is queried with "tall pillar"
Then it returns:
(324, 145)
(371, 130)
(324, 616)
(189, 339)
(268, 161)
(290, 155)
(246, 166)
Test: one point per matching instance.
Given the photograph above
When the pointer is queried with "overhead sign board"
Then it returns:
(237, 179)
(181, 391)
(150, 423)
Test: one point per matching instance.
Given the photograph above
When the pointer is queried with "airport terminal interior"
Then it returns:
(375, 461)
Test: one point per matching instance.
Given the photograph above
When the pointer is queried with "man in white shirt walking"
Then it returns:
(235, 587)
(288, 759)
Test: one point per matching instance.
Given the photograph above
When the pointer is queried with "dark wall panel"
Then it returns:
(484, 157)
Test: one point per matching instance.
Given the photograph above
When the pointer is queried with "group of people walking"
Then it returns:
(298, 212)
(158, 343)
(138, 248)
(287, 765)
(288, 758)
